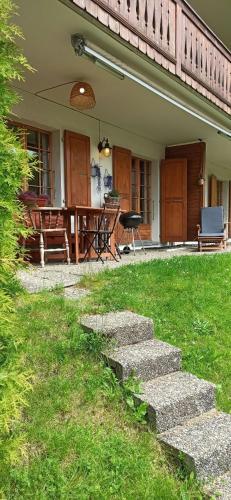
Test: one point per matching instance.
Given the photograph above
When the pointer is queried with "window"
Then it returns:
(141, 188)
(38, 144)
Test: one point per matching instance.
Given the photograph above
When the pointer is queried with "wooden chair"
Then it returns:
(212, 233)
(48, 222)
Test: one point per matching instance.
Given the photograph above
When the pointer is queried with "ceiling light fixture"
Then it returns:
(82, 96)
(80, 47)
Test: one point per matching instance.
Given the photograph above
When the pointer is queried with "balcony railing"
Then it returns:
(170, 33)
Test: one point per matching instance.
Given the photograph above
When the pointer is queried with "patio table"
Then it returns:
(85, 215)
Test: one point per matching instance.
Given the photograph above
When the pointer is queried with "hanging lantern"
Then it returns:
(104, 147)
(82, 96)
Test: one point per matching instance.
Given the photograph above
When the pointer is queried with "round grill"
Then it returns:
(130, 220)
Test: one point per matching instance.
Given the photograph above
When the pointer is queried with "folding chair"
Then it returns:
(108, 225)
(98, 238)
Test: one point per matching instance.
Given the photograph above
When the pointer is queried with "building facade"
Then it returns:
(162, 84)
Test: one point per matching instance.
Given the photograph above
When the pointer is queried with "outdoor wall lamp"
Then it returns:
(104, 147)
(201, 180)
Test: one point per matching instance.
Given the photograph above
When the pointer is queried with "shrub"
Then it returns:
(14, 168)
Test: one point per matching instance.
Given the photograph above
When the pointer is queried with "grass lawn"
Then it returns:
(83, 440)
(189, 299)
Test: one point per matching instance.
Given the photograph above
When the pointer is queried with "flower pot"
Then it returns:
(111, 201)
(42, 202)
(29, 200)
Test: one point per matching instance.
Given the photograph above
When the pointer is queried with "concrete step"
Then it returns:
(203, 444)
(124, 327)
(147, 360)
(175, 398)
(220, 488)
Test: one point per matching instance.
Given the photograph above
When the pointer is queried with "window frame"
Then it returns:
(26, 128)
(136, 200)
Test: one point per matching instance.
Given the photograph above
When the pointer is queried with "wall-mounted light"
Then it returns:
(104, 147)
(82, 96)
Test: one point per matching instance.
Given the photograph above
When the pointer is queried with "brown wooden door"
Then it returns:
(122, 161)
(77, 169)
(195, 154)
(173, 200)
(213, 191)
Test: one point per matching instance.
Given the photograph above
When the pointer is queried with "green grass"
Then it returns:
(82, 438)
(189, 299)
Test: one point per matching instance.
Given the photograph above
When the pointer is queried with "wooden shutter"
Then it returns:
(173, 176)
(77, 169)
(213, 191)
(122, 161)
(195, 155)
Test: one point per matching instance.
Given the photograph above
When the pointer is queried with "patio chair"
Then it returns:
(212, 234)
(98, 238)
(48, 223)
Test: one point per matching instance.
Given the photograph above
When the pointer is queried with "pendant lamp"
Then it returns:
(82, 96)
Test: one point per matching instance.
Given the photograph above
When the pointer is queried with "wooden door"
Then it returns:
(77, 169)
(173, 176)
(122, 161)
(213, 191)
(195, 154)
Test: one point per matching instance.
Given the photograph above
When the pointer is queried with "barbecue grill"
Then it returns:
(130, 222)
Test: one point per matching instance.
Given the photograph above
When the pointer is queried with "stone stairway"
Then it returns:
(180, 406)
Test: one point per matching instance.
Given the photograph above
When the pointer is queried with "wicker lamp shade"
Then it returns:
(82, 96)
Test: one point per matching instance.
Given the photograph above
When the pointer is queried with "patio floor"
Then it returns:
(35, 278)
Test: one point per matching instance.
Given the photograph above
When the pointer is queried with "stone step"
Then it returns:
(146, 360)
(124, 327)
(175, 398)
(203, 444)
(220, 488)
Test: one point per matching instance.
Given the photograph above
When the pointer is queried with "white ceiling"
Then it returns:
(47, 27)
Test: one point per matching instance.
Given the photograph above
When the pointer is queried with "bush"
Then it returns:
(14, 168)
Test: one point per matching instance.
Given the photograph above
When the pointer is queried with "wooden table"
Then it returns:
(89, 213)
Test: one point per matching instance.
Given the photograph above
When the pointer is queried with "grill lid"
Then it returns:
(130, 219)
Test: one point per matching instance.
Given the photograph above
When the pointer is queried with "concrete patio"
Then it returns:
(35, 278)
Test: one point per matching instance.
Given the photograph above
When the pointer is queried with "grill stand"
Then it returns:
(132, 230)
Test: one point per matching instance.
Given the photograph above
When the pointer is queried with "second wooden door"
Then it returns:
(173, 200)
(122, 163)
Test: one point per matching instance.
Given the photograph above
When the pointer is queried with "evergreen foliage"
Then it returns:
(14, 169)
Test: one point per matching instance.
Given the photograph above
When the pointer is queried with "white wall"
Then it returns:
(57, 118)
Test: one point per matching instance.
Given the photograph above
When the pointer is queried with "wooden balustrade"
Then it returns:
(172, 35)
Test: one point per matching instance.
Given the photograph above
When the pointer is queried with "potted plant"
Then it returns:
(43, 200)
(28, 198)
(112, 199)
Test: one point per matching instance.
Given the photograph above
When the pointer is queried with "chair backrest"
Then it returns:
(212, 220)
(44, 219)
(109, 219)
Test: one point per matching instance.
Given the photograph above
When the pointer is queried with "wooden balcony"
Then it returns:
(171, 34)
